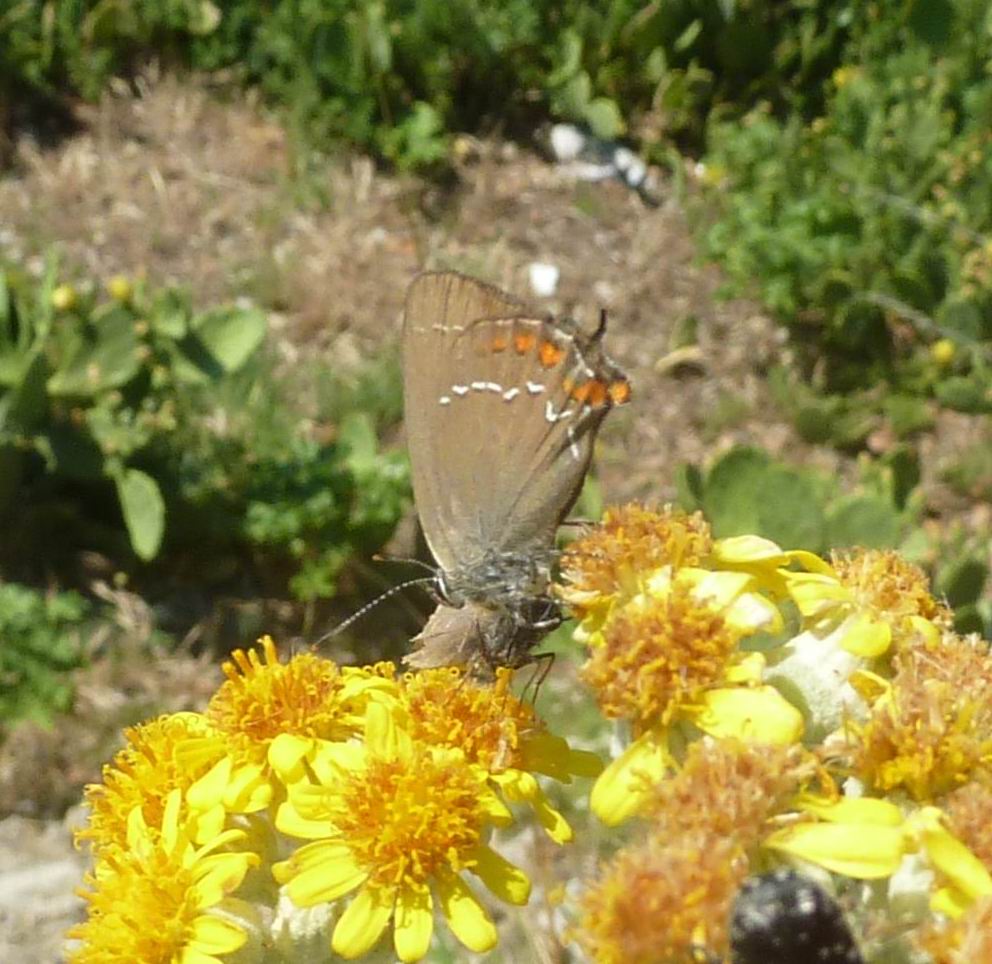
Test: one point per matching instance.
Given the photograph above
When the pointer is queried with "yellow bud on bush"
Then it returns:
(120, 288)
(64, 298)
(942, 351)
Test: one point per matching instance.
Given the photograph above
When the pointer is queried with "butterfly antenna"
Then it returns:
(355, 616)
(601, 327)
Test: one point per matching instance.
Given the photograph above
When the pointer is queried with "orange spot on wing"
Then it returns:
(499, 343)
(597, 393)
(550, 354)
(523, 342)
(619, 392)
(579, 392)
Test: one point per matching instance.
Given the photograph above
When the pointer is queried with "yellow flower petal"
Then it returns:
(853, 810)
(220, 874)
(550, 754)
(248, 790)
(320, 880)
(414, 923)
(362, 923)
(814, 592)
(950, 902)
(190, 955)
(757, 715)
(928, 630)
(208, 791)
(749, 549)
(208, 825)
(746, 668)
(864, 851)
(213, 935)
(383, 738)
(753, 613)
(955, 861)
(508, 882)
(866, 637)
(494, 809)
(467, 918)
(286, 754)
(289, 820)
(811, 562)
(623, 786)
(554, 823)
(517, 784)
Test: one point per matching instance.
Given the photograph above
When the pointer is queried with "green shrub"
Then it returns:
(865, 228)
(747, 491)
(396, 77)
(135, 416)
(94, 387)
(40, 645)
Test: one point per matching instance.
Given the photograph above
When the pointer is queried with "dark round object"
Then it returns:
(785, 918)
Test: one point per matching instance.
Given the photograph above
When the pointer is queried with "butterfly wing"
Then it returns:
(502, 409)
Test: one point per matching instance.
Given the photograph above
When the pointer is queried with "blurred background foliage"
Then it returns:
(841, 157)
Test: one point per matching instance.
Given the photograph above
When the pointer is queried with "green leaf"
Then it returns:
(205, 18)
(863, 520)
(689, 487)
(789, 509)
(965, 394)
(25, 404)
(908, 414)
(169, 315)
(732, 491)
(688, 36)
(573, 98)
(962, 581)
(356, 435)
(108, 359)
(144, 511)
(377, 38)
(604, 118)
(230, 335)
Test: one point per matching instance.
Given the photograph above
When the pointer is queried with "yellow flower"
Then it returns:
(162, 898)
(670, 656)
(929, 730)
(858, 837)
(943, 351)
(611, 561)
(867, 601)
(498, 732)
(119, 288)
(663, 900)
(962, 940)
(64, 297)
(669, 896)
(398, 822)
(143, 775)
(633, 547)
(271, 717)
(842, 76)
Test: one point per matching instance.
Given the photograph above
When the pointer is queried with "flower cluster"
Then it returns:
(855, 745)
(774, 712)
(307, 787)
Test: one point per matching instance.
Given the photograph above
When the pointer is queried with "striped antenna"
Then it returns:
(369, 606)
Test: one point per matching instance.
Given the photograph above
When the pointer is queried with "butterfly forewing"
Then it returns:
(502, 411)
(439, 307)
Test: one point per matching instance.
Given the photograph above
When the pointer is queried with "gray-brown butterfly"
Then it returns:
(502, 409)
